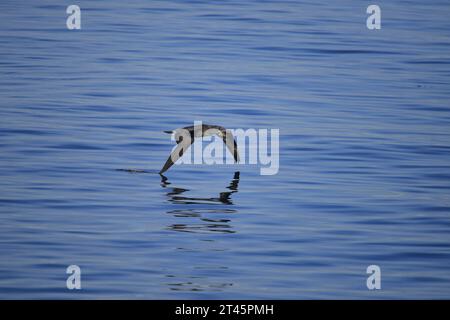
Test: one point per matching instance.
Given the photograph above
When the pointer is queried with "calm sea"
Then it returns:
(364, 178)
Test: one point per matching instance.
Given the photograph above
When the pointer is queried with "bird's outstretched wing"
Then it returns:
(174, 156)
(231, 144)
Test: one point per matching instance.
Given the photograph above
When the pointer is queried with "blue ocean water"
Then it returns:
(364, 178)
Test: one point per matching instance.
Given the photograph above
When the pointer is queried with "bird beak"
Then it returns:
(169, 132)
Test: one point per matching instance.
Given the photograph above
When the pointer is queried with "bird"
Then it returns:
(199, 131)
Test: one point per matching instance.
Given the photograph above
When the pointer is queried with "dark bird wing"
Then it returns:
(174, 156)
(231, 144)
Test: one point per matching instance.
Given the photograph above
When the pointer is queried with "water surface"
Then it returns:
(364, 177)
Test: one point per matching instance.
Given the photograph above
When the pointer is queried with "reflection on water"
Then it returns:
(364, 145)
(201, 220)
(206, 225)
(209, 220)
(193, 286)
(223, 197)
(196, 284)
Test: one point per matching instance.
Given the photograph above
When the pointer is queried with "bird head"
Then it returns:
(179, 134)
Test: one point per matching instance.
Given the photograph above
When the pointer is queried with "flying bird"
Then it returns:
(199, 131)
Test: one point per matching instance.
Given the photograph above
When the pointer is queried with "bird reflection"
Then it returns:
(210, 215)
(223, 197)
(201, 215)
(196, 284)
(212, 220)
